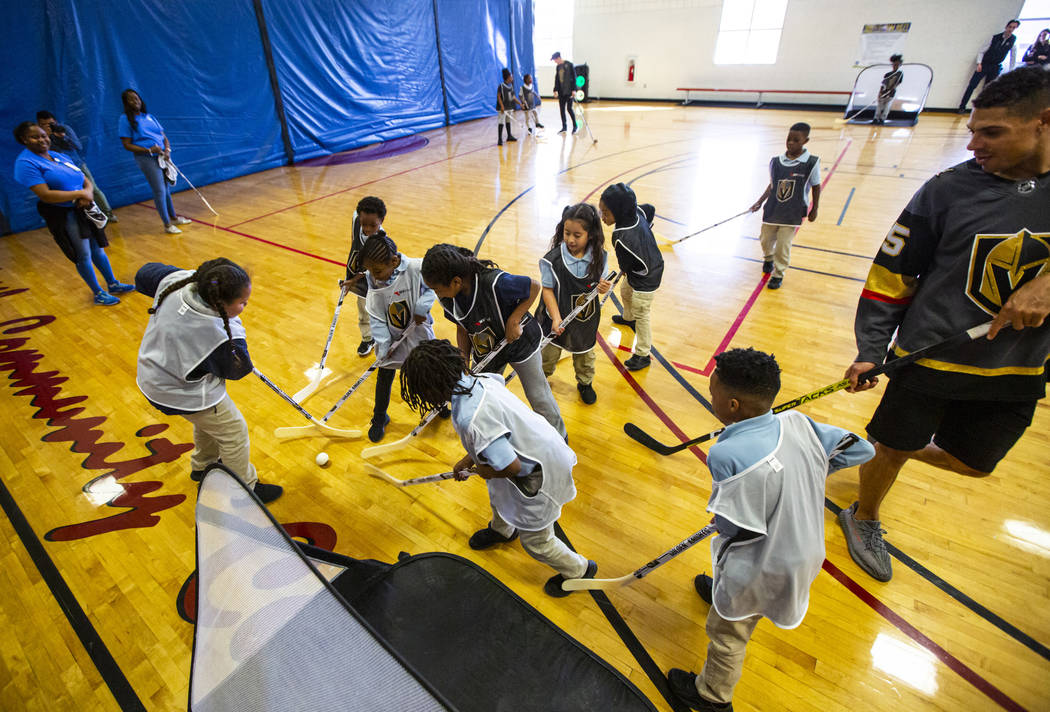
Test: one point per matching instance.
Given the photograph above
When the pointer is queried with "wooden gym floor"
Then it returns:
(962, 625)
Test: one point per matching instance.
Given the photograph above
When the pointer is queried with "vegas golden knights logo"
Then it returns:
(785, 189)
(353, 262)
(484, 341)
(999, 264)
(588, 312)
(398, 315)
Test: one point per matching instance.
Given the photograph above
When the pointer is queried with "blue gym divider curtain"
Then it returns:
(347, 74)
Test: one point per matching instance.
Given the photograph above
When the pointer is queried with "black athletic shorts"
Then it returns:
(978, 433)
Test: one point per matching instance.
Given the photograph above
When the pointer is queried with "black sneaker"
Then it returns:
(553, 585)
(539, 125)
(365, 347)
(775, 282)
(562, 130)
(617, 319)
(198, 475)
(703, 585)
(510, 138)
(587, 394)
(500, 142)
(488, 537)
(637, 363)
(376, 432)
(683, 685)
(767, 266)
(267, 493)
(445, 412)
(530, 130)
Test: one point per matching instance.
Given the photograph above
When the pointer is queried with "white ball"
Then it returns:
(321, 459)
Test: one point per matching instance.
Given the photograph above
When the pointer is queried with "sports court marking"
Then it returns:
(964, 671)
(360, 185)
(846, 206)
(112, 675)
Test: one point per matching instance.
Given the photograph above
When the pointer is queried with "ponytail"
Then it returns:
(444, 262)
(218, 283)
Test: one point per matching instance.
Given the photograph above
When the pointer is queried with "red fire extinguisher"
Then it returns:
(630, 71)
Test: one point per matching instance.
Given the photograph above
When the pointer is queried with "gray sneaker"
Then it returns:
(864, 539)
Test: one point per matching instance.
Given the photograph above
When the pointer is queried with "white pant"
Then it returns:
(545, 548)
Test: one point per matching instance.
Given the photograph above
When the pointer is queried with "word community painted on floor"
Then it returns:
(44, 389)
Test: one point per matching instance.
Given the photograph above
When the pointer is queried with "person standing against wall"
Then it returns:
(564, 85)
(64, 140)
(990, 60)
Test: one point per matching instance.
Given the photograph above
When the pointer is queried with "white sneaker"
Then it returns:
(179, 220)
(172, 230)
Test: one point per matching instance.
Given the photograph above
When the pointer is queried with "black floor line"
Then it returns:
(630, 640)
(107, 667)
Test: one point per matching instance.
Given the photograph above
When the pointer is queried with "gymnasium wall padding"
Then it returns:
(348, 74)
(199, 67)
(476, 46)
(354, 73)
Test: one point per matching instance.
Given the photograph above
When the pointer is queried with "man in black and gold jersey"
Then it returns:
(972, 245)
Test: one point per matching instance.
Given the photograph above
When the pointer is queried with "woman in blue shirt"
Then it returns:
(63, 191)
(142, 134)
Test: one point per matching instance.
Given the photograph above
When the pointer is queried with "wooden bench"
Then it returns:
(760, 92)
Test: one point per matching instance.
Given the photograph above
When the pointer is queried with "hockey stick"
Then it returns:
(855, 114)
(606, 584)
(326, 429)
(709, 227)
(301, 430)
(199, 194)
(387, 477)
(377, 450)
(583, 118)
(965, 337)
(316, 379)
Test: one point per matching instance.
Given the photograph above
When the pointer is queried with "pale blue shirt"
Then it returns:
(380, 330)
(814, 176)
(747, 442)
(499, 454)
(577, 266)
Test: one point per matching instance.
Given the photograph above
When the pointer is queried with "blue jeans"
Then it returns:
(159, 186)
(87, 253)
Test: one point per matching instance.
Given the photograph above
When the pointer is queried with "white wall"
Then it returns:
(674, 43)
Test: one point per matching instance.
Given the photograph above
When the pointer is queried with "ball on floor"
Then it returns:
(321, 459)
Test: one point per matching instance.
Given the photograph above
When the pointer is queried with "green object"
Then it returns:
(580, 81)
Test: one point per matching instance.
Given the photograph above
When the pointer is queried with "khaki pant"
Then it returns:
(776, 245)
(222, 433)
(725, 656)
(583, 363)
(545, 548)
(636, 308)
(363, 320)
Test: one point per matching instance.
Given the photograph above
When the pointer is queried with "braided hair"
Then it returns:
(586, 215)
(430, 375)
(218, 283)
(378, 248)
(444, 262)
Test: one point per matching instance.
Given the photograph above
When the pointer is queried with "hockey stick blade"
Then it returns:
(970, 334)
(689, 542)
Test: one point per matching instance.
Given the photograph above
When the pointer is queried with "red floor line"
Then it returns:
(259, 239)
(736, 324)
(359, 185)
(765, 277)
(952, 662)
(648, 400)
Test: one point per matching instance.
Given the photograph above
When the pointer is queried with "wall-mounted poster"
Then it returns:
(879, 41)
